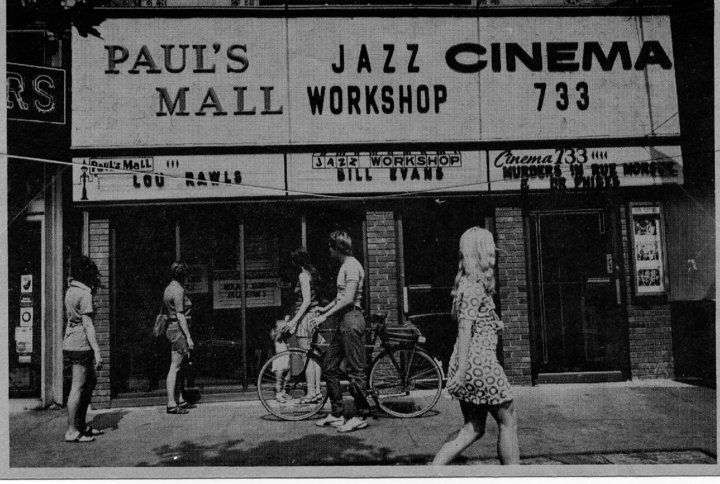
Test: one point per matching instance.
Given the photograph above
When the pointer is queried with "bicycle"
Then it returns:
(403, 379)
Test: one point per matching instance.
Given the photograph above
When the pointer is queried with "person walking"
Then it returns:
(178, 307)
(475, 376)
(348, 341)
(80, 348)
(306, 305)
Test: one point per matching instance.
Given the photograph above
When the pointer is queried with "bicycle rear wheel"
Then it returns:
(406, 382)
(291, 364)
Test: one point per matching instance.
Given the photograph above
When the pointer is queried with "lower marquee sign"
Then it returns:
(584, 168)
(387, 172)
(177, 177)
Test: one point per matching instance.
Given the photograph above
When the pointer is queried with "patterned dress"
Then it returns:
(485, 381)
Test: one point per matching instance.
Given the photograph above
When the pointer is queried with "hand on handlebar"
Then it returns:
(319, 319)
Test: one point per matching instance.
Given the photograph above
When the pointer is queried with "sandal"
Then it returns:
(187, 405)
(316, 398)
(91, 432)
(177, 410)
(81, 439)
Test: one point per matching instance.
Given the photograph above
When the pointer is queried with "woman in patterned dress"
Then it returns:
(475, 377)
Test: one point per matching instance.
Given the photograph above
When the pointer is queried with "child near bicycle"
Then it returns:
(281, 366)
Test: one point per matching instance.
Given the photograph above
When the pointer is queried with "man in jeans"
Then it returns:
(348, 342)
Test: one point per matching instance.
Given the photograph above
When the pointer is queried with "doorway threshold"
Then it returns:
(208, 394)
(580, 377)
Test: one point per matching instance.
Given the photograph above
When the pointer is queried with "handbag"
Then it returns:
(161, 323)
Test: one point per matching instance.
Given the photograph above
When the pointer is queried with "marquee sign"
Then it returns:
(584, 168)
(387, 172)
(272, 81)
(177, 177)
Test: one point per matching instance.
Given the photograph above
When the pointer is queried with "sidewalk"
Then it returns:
(623, 423)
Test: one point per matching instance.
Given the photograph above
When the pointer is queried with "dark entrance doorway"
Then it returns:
(577, 321)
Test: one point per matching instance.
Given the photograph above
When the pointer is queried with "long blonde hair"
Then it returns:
(477, 258)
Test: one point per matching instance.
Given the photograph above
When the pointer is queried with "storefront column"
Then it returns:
(382, 264)
(650, 325)
(512, 285)
(99, 251)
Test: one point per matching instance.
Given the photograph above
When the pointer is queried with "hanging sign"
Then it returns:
(584, 168)
(177, 177)
(26, 316)
(387, 172)
(35, 94)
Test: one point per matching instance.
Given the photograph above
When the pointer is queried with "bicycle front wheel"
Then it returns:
(406, 382)
(285, 373)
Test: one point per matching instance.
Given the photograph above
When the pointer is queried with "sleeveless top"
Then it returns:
(297, 292)
(172, 292)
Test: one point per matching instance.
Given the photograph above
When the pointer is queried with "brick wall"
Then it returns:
(381, 260)
(512, 286)
(650, 327)
(99, 248)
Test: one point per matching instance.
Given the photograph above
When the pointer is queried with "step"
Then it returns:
(580, 377)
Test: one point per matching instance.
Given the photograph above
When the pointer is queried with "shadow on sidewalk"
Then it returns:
(109, 420)
(317, 449)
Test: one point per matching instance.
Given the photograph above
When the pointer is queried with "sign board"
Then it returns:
(585, 168)
(23, 340)
(35, 94)
(196, 281)
(26, 300)
(648, 254)
(227, 289)
(307, 80)
(177, 177)
(26, 284)
(26, 317)
(384, 172)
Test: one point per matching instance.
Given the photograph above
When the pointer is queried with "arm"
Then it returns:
(87, 323)
(465, 323)
(350, 289)
(305, 290)
(179, 304)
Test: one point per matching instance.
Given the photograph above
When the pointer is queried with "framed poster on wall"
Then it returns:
(647, 235)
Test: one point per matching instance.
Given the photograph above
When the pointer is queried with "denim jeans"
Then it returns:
(348, 342)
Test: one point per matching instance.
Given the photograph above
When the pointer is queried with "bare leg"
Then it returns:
(74, 401)
(507, 445)
(313, 382)
(175, 362)
(86, 398)
(318, 375)
(461, 439)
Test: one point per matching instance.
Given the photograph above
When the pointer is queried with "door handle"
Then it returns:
(617, 291)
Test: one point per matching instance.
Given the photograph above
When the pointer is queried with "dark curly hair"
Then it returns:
(178, 271)
(86, 271)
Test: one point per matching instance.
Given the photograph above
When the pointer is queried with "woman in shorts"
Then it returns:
(178, 307)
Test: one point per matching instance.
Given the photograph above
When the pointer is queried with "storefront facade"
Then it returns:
(230, 140)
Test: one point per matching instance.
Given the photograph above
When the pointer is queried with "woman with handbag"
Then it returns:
(177, 306)
(306, 305)
(80, 348)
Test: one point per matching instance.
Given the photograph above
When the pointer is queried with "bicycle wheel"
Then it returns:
(406, 382)
(291, 365)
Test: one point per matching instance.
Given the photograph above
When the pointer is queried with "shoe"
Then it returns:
(315, 398)
(177, 410)
(355, 423)
(81, 439)
(282, 397)
(187, 405)
(331, 421)
(91, 432)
